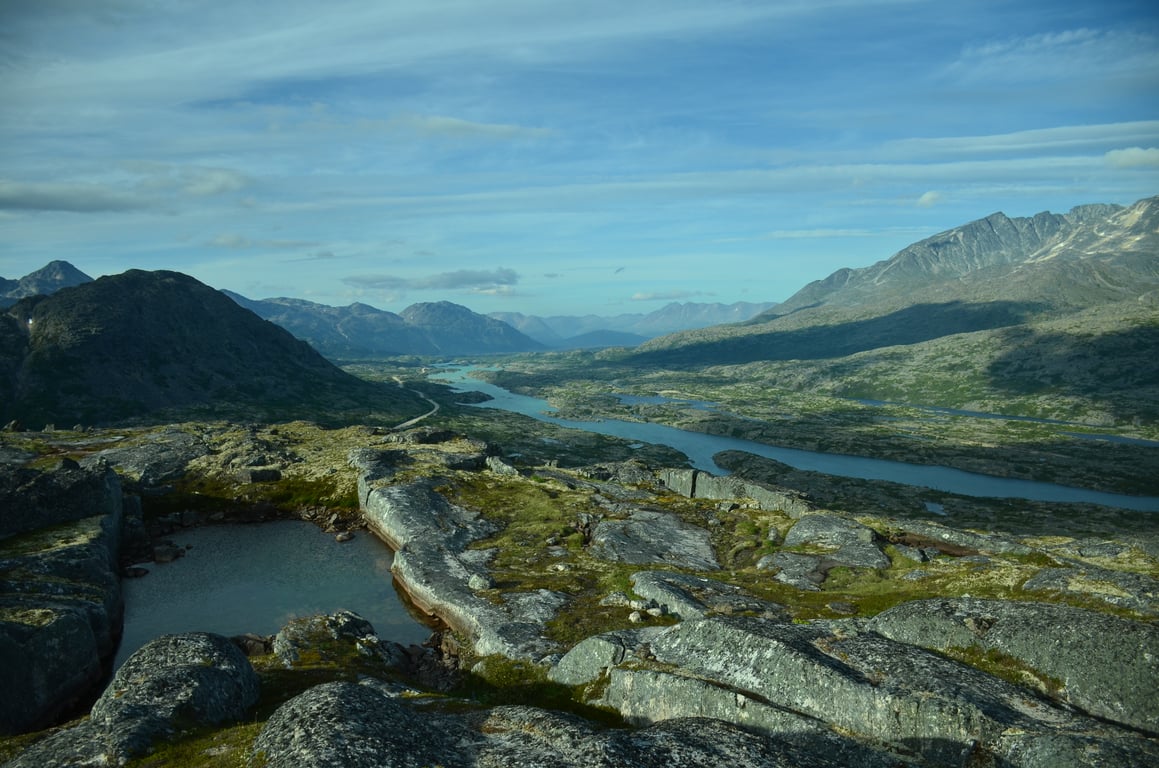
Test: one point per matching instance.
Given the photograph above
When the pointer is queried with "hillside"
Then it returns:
(361, 331)
(993, 273)
(140, 342)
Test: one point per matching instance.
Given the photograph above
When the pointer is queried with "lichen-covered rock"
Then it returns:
(651, 537)
(805, 572)
(60, 598)
(430, 537)
(314, 634)
(689, 597)
(1107, 665)
(853, 544)
(1135, 591)
(31, 499)
(157, 458)
(696, 484)
(174, 681)
(864, 685)
(589, 658)
(966, 540)
(344, 725)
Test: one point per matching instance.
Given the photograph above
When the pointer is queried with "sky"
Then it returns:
(553, 158)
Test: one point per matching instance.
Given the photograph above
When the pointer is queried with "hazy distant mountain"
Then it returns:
(456, 330)
(44, 281)
(996, 272)
(140, 341)
(575, 331)
(358, 330)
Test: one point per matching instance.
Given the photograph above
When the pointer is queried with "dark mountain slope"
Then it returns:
(139, 342)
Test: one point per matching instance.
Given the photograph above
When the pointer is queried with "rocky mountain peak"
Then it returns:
(50, 278)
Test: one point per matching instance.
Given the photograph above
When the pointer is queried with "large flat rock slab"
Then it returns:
(866, 685)
(1108, 666)
(649, 537)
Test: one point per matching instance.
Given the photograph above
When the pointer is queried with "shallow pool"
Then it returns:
(254, 578)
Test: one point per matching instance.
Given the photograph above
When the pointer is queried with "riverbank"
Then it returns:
(844, 450)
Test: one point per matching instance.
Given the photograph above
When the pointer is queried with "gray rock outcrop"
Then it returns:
(690, 597)
(862, 684)
(174, 681)
(431, 562)
(344, 725)
(854, 545)
(1135, 591)
(60, 598)
(696, 484)
(354, 726)
(648, 537)
(1108, 666)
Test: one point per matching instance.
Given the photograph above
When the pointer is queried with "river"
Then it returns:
(700, 448)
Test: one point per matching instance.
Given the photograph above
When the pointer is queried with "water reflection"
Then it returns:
(254, 578)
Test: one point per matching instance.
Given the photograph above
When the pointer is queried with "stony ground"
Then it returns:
(621, 552)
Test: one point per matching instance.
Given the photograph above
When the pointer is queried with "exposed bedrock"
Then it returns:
(828, 677)
(1107, 666)
(173, 682)
(60, 598)
(431, 562)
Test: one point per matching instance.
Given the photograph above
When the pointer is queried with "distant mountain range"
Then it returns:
(139, 342)
(578, 331)
(361, 331)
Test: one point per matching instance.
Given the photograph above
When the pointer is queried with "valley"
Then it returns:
(594, 596)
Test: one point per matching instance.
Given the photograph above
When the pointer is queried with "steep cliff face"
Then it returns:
(140, 341)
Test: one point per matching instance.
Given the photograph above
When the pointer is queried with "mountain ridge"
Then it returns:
(139, 342)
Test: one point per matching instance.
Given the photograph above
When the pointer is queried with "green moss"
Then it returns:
(1007, 667)
(496, 680)
(29, 617)
(213, 747)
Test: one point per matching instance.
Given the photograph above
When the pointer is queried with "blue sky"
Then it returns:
(553, 157)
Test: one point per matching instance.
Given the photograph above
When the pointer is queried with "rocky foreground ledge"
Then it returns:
(616, 615)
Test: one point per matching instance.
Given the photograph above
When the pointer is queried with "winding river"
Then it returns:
(700, 448)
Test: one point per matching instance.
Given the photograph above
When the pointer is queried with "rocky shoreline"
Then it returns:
(684, 594)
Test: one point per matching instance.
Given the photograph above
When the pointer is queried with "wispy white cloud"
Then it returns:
(1133, 157)
(235, 240)
(70, 197)
(929, 199)
(1055, 56)
(667, 295)
(1068, 138)
(464, 279)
